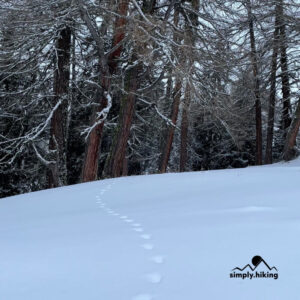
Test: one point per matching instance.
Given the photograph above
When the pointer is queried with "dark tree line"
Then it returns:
(93, 89)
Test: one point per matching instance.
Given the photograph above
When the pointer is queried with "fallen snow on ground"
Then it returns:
(168, 237)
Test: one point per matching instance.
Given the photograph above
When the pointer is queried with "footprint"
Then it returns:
(136, 225)
(128, 220)
(148, 246)
(123, 217)
(158, 259)
(143, 297)
(145, 236)
(154, 277)
(138, 229)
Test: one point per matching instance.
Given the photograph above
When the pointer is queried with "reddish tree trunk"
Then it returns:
(90, 165)
(58, 171)
(289, 149)
(118, 152)
(117, 164)
(118, 36)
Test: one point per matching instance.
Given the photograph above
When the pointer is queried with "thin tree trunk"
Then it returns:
(190, 41)
(91, 161)
(286, 118)
(166, 151)
(184, 130)
(272, 98)
(170, 131)
(258, 121)
(58, 171)
(72, 91)
(289, 149)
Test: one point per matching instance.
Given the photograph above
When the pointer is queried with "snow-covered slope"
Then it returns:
(168, 237)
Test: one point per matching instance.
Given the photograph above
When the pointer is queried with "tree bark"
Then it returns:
(289, 149)
(184, 130)
(107, 68)
(57, 174)
(191, 25)
(170, 131)
(286, 118)
(166, 151)
(119, 35)
(258, 154)
(115, 162)
(90, 167)
(272, 97)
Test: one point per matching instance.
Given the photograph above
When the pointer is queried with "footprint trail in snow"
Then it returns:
(152, 278)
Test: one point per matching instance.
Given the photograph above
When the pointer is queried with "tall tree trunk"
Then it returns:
(166, 151)
(184, 130)
(91, 161)
(286, 118)
(170, 131)
(90, 166)
(115, 163)
(289, 148)
(191, 25)
(57, 144)
(258, 121)
(272, 98)
(119, 35)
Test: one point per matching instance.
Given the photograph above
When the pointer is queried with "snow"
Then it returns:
(169, 237)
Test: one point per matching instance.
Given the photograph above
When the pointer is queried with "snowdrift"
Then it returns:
(170, 237)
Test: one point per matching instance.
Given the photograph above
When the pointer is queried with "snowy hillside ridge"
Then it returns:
(171, 237)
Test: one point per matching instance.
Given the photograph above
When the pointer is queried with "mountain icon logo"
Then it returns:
(256, 261)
